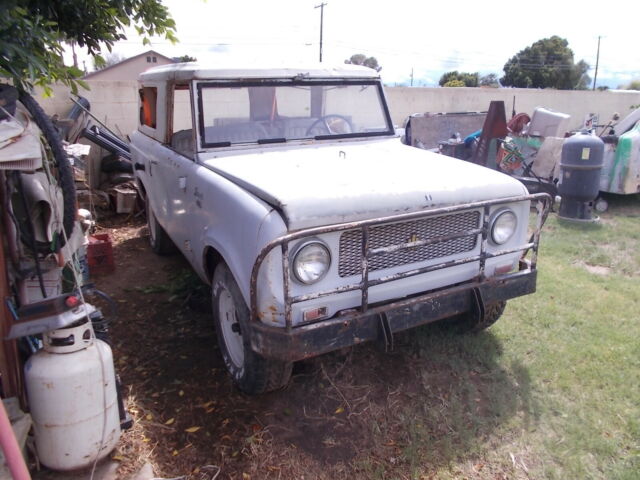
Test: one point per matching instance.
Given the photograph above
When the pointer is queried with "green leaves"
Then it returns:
(547, 63)
(33, 32)
(459, 79)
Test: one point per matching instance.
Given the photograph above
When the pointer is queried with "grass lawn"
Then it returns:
(553, 389)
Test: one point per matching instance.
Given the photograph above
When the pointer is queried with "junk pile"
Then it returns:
(530, 148)
(72, 391)
(527, 148)
(621, 170)
(116, 188)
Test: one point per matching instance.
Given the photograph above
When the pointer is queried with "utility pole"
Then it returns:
(321, 7)
(595, 75)
(73, 52)
(412, 76)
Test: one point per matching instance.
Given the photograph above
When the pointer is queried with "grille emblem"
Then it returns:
(414, 238)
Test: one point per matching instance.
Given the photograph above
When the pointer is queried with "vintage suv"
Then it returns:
(289, 192)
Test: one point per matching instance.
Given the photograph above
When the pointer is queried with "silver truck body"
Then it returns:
(253, 204)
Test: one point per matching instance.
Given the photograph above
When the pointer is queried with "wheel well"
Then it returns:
(211, 258)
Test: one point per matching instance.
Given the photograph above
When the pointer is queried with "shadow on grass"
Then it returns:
(357, 413)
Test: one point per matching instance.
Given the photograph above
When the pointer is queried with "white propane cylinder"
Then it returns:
(71, 387)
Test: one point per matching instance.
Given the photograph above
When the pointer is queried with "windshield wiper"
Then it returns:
(217, 144)
(338, 136)
(262, 141)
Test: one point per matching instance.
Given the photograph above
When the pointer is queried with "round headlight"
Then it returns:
(311, 262)
(504, 226)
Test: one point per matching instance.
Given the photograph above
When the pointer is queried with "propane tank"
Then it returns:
(580, 165)
(71, 388)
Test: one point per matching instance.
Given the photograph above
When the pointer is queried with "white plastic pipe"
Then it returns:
(11, 449)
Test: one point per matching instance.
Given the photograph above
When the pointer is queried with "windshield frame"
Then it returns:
(202, 84)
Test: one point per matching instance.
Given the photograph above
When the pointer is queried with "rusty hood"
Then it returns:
(314, 185)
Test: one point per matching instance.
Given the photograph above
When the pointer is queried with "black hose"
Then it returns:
(65, 172)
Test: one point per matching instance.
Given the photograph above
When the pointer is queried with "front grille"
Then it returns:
(399, 233)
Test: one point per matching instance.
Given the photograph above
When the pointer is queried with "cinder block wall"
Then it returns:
(403, 101)
(115, 103)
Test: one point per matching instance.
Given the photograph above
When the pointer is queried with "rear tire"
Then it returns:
(468, 323)
(158, 238)
(251, 372)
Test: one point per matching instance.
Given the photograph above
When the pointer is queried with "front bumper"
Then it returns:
(380, 321)
(353, 328)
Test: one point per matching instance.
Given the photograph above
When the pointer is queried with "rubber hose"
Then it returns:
(65, 172)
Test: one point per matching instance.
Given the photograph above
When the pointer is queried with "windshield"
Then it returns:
(273, 112)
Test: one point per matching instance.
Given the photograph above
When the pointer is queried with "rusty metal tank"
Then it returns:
(579, 184)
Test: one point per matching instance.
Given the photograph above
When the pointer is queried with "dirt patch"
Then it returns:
(357, 413)
(597, 269)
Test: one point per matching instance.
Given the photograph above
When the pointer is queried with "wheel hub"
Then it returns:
(231, 333)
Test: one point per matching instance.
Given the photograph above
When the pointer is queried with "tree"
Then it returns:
(186, 58)
(458, 79)
(632, 85)
(489, 80)
(454, 83)
(547, 63)
(360, 59)
(33, 32)
(109, 60)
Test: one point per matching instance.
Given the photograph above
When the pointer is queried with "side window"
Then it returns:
(182, 134)
(148, 104)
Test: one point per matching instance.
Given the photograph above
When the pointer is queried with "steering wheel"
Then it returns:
(333, 124)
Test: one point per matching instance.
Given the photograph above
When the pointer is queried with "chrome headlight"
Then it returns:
(311, 262)
(503, 227)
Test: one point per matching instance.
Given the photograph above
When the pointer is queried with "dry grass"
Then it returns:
(551, 391)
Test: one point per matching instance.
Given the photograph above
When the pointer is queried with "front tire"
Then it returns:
(251, 372)
(158, 238)
(469, 323)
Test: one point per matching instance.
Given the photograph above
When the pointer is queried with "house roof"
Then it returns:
(130, 59)
(195, 71)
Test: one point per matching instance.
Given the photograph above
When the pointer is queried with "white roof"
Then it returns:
(195, 71)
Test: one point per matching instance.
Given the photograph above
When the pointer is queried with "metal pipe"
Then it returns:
(285, 285)
(407, 274)
(365, 269)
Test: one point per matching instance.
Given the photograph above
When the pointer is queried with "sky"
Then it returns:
(404, 35)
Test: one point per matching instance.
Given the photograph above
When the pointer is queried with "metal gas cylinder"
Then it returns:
(580, 165)
(71, 388)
